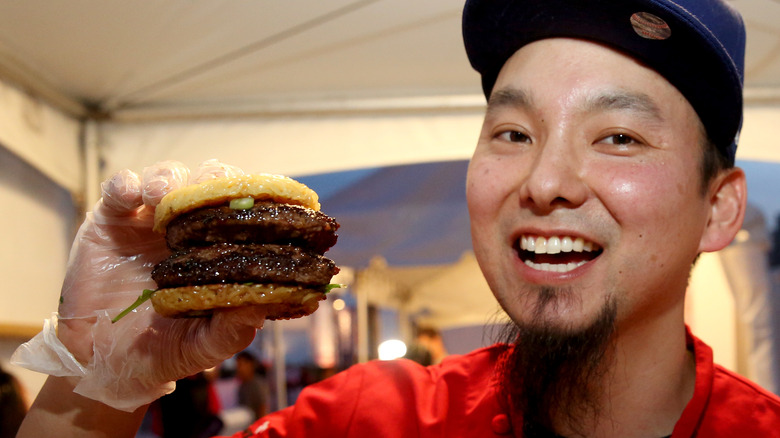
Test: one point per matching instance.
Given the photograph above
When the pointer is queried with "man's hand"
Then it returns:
(133, 361)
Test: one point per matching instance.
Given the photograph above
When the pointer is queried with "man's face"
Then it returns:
(245, 369)
(594, 158)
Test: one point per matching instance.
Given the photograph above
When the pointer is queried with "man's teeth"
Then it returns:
(555, 244)
(555, 267)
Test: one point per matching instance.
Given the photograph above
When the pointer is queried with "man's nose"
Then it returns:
(553, 178)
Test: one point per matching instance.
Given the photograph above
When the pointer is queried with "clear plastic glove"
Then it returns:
(132, 362)
(211, 169)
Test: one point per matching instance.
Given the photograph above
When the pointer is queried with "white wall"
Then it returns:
(41, 136)
(41, 169)
(315, 144)
(295, 145)
(710, 310)
(36, 230)
(760, 135)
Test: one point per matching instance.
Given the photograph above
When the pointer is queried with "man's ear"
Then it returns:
(728, 201)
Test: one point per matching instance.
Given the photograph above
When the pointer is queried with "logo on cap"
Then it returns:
(650, 26)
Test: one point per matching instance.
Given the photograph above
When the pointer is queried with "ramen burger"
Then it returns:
(252, 240)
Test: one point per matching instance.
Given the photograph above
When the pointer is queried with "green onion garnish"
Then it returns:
(332, 286)
(147, 293)
(242, 203)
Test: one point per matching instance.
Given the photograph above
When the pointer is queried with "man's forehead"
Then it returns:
(589, 87)
(593, 101)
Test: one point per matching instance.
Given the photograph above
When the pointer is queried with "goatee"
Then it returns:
(554, 376)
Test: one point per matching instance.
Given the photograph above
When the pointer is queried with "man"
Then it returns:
(604, 167)
(253, 391)
(428, 347)
(13, 404)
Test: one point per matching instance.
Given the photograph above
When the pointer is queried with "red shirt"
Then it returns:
(457, 399)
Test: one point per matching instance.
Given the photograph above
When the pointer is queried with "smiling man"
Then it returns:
(583, 145)
(603, 169)
(605, 166)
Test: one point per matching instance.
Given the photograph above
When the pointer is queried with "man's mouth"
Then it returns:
(556, 253)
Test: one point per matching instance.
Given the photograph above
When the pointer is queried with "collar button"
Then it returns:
(501, 424)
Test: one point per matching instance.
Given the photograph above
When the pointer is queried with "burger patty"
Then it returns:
(248, 263)
(265, 222)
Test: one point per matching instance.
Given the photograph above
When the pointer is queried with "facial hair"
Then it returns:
(555, 375)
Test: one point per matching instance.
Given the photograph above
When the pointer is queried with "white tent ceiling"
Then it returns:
(180, 56)
(140, 59)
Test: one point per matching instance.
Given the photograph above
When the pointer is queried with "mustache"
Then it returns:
(553, 374)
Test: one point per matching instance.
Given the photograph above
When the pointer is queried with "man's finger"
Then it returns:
(211, 169)
(121, 193)
(162, 178)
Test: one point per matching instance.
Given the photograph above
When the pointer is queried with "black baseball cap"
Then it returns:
(697, 45)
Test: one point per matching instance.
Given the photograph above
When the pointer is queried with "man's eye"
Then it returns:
(619, 139)
(514, 137)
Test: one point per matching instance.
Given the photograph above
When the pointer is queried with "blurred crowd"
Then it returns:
(218, 401)
(13, 404)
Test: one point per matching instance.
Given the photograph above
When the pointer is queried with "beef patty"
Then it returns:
(265, 222)
(246, 263)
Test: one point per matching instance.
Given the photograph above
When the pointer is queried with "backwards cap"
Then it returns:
(697, 45)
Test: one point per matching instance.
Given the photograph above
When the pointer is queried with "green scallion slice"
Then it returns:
(332, 286)
(242, 203)
(147, 293)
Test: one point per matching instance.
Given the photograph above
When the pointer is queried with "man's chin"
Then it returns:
(562, 324)
(559, 309)
(556, 367)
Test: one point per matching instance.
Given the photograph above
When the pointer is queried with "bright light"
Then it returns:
(391, 349)
(339, 304)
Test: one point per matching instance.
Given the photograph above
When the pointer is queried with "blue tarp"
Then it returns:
(409, 214)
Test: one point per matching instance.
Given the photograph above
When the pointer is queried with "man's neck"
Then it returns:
(649, 382)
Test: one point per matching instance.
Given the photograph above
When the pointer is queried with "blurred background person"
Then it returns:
(428, 347)
(253, 390)
(191, 410)
(13, 406)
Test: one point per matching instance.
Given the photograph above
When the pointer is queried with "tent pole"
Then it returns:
(280, 366)
(405, 326)
(91, 163)
(362, 325)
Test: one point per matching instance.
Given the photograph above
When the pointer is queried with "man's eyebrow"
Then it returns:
(639, 103)
(508, 97)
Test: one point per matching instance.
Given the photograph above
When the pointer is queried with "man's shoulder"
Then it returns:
(737, 390)
(737, 404)
(482, 359)
(412, 397)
